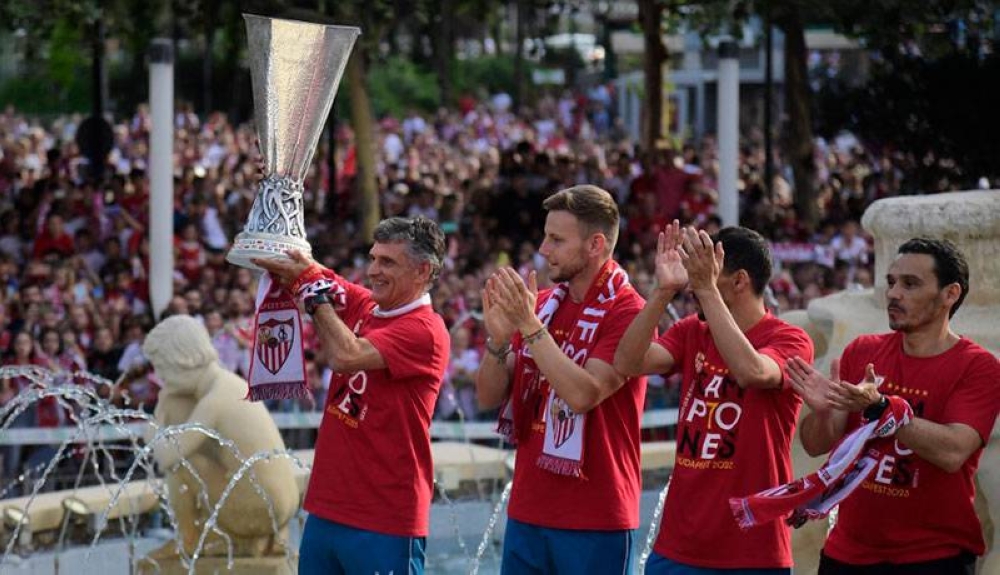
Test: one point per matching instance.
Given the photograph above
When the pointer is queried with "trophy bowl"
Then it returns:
(295, 69)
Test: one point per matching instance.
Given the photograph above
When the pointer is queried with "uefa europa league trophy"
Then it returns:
(295, 68)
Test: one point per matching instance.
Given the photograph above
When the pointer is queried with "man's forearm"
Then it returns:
(338, 340)
(492, 381)
(819, 432)
(579, 388)
(634, 344)
(946, 446)
(747, 366)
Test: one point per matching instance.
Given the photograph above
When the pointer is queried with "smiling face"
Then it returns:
(565, 245)
(915, 300)
(396, 278)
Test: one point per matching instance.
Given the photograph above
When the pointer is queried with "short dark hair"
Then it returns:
(746, 250)
(423, 237)
(950, 265)
(593, 206)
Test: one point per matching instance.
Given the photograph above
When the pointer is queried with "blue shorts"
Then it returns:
(660, 565)
(529, 549)
(330, 548)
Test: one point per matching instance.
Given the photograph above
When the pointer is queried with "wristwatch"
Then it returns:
(875, 410)
(313, 302)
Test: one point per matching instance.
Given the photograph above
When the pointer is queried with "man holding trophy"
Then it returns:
(371, 486)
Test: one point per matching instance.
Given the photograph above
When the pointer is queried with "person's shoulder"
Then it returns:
(975, 352)
(428, 319)
(777, 324)
(629, 297)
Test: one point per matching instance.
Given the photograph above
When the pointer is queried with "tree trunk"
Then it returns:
(361, 121)
(208, 60)
(655, 53)
(798, 131)
(443, 49)
(521, 22)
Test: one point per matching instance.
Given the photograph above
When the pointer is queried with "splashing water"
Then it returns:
(485, 541)
(654, 527)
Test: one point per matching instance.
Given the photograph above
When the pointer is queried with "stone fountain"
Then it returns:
(972, 221)
(209, 483)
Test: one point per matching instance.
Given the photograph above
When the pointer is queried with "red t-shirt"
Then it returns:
(373, 468)
(731, 442)
(910, 510)
(606, 497)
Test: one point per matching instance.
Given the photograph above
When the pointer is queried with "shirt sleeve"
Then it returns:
(975, 400)
(411, 346)
(613, 328)
(675, 339)
(786, 342)
(358, 299)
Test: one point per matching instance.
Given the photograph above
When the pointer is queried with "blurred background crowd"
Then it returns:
(74, 255)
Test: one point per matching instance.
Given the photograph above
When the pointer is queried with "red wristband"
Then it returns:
(308, 275)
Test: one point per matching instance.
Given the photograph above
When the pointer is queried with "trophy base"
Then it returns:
(263, 246)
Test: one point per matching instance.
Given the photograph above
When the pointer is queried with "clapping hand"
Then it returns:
(856, 397)
(816, 389)
(670, 273)
(702, 259)
(516, 299)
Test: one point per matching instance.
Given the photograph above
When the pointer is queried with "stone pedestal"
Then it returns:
(217, 565)
(972, 221)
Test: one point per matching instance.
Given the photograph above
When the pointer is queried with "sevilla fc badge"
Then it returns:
(274, 343)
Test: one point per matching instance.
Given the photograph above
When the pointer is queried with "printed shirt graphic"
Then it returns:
(730, 442)
(373, 468)
(910, 510)
(607, 496)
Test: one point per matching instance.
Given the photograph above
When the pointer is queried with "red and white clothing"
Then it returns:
(606, 497)
(373, 468)
(910, 510)
(730, 441)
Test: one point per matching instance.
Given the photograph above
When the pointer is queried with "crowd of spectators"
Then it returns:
(74, 253)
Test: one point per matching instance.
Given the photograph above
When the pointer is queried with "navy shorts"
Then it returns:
(330, 548)
(660, 565)
(532, 550)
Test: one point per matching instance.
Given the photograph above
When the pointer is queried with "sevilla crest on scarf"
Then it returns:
(277, 363)
(274, 342)
(562, 421)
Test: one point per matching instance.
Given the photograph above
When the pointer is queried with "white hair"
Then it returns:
(180, 341)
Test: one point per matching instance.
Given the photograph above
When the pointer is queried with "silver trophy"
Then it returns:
(295, 68)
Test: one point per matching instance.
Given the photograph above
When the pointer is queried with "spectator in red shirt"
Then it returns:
(53, 239)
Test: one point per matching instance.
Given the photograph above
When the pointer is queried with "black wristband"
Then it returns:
(312, 303)
(875, 410)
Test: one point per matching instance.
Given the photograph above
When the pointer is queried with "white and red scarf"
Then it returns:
(815, 495)
(277, 353)
(562, 449)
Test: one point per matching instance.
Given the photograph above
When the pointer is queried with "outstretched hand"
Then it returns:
(285, 270)
(856, 397)
(816, 389)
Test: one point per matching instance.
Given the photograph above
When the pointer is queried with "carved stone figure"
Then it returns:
(197, 389)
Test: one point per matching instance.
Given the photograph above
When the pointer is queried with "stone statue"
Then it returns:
(972, 221)
(197, 389)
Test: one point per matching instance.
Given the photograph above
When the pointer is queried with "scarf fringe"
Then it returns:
(560, 465)
(505, 428)
(268, 391)
(741, 512)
